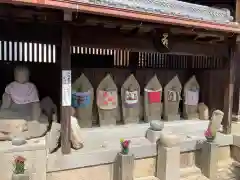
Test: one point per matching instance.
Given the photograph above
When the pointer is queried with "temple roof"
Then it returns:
(172, 12)
(169, 7)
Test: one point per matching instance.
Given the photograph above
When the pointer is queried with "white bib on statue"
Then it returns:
(192, 98)
(22, 93)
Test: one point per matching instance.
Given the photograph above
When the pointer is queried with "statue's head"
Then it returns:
(21, 74)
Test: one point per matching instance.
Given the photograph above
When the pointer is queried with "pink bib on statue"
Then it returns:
(22, 93)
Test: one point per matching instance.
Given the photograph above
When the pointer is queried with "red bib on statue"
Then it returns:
(154, 97)
(107, 99)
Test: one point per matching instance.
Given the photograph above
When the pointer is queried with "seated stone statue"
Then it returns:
(20, 113)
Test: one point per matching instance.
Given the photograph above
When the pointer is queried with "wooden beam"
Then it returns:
(230, 79)
(66, 89)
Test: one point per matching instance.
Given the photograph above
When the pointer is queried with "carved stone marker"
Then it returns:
(215, 122)
(124, 167)
(172, 97)
(168, 157)
(191, 98)
(203, 111)
(107, 101)
(130, 93)
(209, 160)
(153, 100)
(82, 100)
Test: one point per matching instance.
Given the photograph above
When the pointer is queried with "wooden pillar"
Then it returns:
(230, 78)
(237, 14)
(66, 87)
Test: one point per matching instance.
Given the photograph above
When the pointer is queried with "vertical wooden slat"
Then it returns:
(54, 53)
(30, 52)
(45, 53)
(49, 50)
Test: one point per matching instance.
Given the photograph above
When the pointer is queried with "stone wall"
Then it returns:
(145, 167)
(35, 154)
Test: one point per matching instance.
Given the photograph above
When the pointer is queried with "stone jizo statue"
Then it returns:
(130, 93)
(191, 99)
(107, 101)
(172, 97)
(82, 101)
(153, 100)
(20, 113)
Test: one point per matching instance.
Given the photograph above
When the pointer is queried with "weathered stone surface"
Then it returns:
(169, 140)
(18, 141)
(35, 154)
(191, 98)
(130, 93)
(20, 177)
(153, 100)
(203, 111)
(84, 110)
(172, 97)
(76, 138)
(168, 162)
(107, 109)
(209, 160)
(216, 120)
(124, 167)
(156, 125)
(14, 125)
(153, 136)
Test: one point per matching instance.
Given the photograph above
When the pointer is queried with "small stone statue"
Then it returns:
(153, 100)
(130, 93)
(20, 114)
(215, 122)
(172, 97)
(82, 100)
(191, 99)
(107, 101)
(203, 111)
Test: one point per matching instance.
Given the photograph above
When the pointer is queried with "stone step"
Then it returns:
(147, 178)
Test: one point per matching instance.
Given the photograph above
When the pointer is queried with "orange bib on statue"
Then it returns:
(107, 99)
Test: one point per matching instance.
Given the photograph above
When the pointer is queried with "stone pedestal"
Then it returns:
(168, 161)
(153, 135)
(124, 167)
(209, 160)
(35, 153)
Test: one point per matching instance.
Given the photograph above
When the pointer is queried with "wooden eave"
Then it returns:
(73, 5)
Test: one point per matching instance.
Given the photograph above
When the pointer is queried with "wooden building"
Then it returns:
(74, 37)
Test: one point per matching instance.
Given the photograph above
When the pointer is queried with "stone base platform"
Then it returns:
(96, 160)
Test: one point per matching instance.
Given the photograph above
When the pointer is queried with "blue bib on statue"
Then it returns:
(81, 99)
